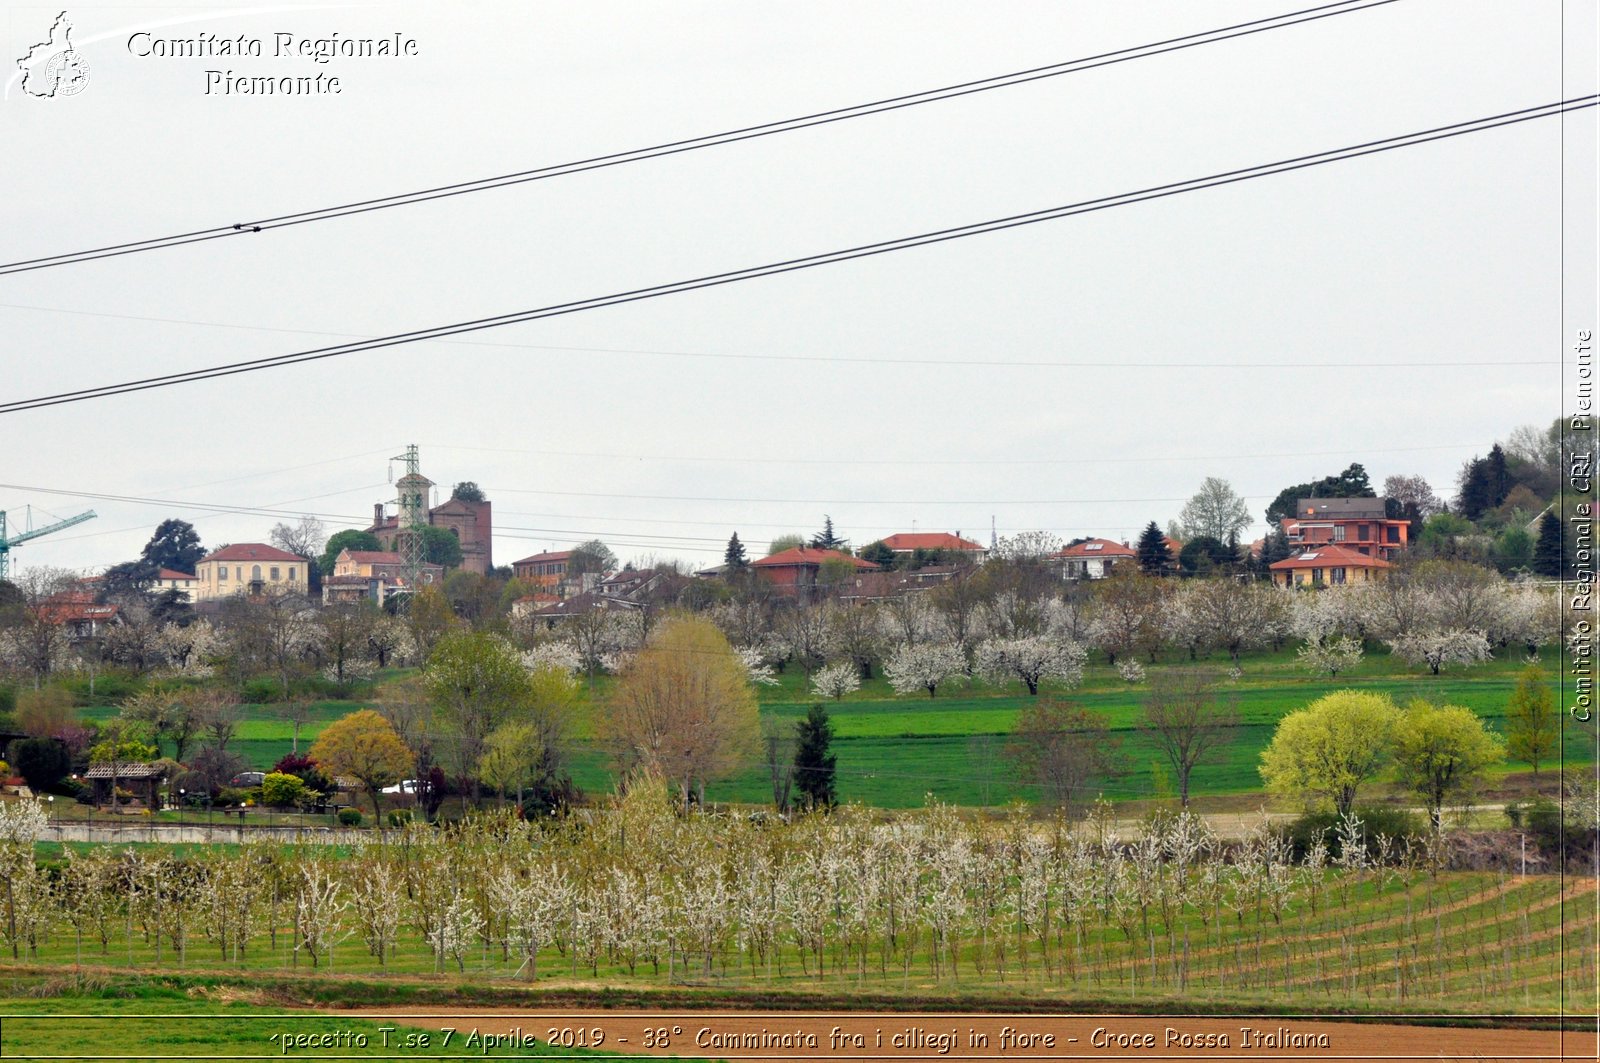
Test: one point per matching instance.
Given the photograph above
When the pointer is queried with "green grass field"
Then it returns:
(893, 750)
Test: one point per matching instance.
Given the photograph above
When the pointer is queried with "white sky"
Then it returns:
(1446, 253)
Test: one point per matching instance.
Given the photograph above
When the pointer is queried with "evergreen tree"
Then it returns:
(734, 556)
(1548, 559)
(1154, 557)
(1352, 483)
(1499, 477)
(814, 764)
(825, 539)
(175, 545)
(1475, 495)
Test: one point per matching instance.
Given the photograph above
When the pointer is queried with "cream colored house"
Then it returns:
(250, 569)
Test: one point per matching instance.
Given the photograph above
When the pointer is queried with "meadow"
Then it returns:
(895, 750)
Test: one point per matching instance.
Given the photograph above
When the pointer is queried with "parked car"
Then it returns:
(246, 779)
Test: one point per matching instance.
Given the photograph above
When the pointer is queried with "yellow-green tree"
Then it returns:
(530, 751)
(362, 746)
(684, 707)
(1442, 751)
(1330, 747)
(1533, 729)
(475, 682)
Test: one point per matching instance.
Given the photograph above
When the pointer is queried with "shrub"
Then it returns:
(234, 795)
(306, 770)
(43, 762)
(111, 686)
(350, 817)
(1393, 823)
(282, 790)
(262, 690)
(399, 817)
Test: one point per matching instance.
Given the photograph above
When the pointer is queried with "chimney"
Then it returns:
(377, 514)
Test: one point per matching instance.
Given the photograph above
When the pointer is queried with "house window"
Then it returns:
(1391, 534)
(291, 573)
(274, 573)
(1337, 575)
(1338, 533)
(1365, 532)
(1316, 575)
(255, 572)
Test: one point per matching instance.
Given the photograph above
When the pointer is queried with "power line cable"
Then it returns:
(1372, 147)
(956, 363)
(1019, 77)
(1097, 460)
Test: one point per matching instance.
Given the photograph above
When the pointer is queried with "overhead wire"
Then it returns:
(1365, 148)
(746, 356)
(894, 103)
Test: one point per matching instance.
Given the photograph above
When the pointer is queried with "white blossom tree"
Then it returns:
(1326, 654)
(836, 680)
(924, 666)
(1441, 649)
(1032, 658)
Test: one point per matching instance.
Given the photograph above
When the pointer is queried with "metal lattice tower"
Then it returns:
(411, 516)
(7, 542)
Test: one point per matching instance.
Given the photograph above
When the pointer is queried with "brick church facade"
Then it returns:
(470, 522)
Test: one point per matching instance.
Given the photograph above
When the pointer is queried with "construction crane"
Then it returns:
(8, 541)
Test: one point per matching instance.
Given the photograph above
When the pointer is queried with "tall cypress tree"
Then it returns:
(1548, 557)
(734, 556)
(1154, 557)
(813, 762)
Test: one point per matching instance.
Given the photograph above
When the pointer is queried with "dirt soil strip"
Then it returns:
(733, 1035)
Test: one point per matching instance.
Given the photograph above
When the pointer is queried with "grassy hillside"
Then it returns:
(894, 750)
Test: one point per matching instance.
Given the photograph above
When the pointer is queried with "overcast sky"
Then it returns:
(1188, 337)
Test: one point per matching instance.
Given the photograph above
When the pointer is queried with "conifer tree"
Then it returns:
(734, 556)
(1548, 559)
(1154, 557)
(814, 764)
(825, 539)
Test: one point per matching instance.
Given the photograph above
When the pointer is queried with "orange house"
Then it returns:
(1328, 566)
(542, 570)
(1359, 524)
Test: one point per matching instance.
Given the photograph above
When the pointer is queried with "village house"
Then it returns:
(76, 610)
(1359, 524)
(544, 571)
(797, 571)
(372, 575)
(951, 546)
(250, 569)
(1093, 558)
(1328, 566)
(169, 579)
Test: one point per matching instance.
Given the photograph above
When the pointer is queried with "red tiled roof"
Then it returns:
(374, 557)
(551, 555)
(931, 541)
(172, 573)
(251, 552)
(1329, 557)
(805, 555)
(1095, 548)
